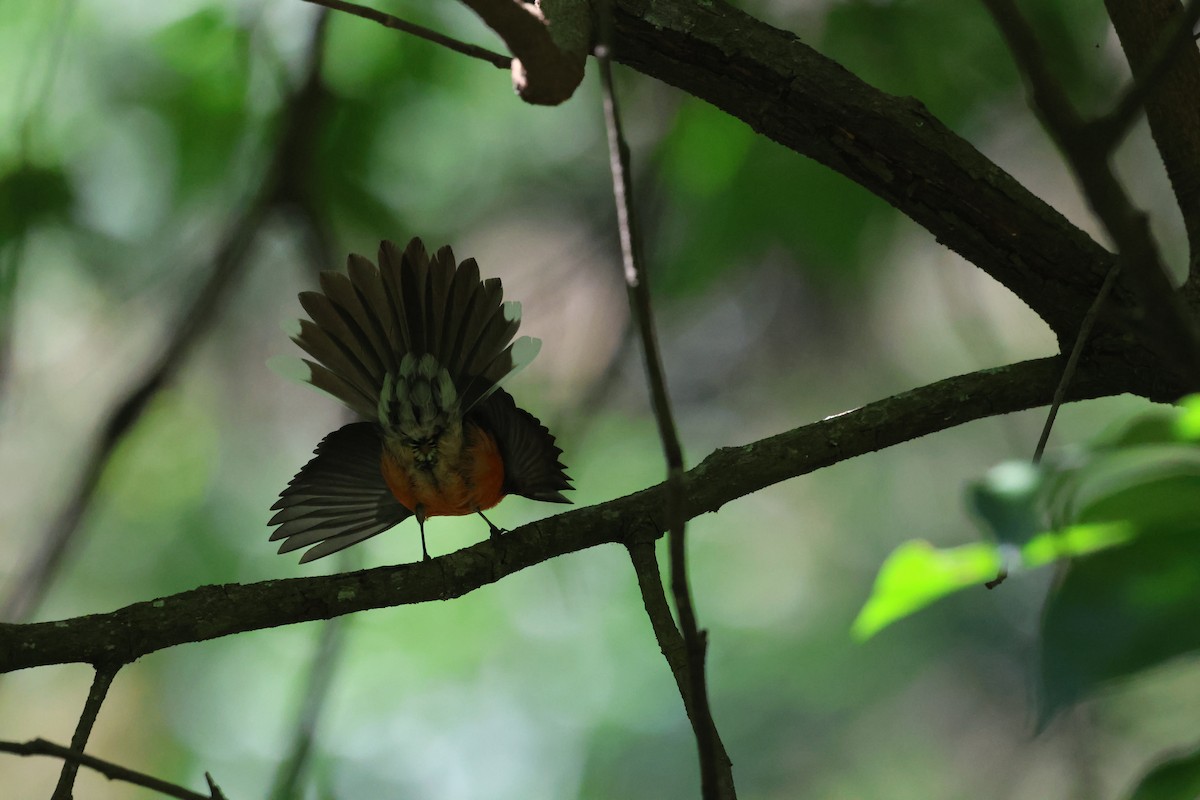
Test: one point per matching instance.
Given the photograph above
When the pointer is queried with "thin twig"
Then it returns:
(395, 23)
(87, 720)
(114, 772)
(674, 650)
(1085, 331)
(1112, 127)
(639, 297)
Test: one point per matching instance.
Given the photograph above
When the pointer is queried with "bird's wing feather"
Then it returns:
(339, 498)
(531, 465)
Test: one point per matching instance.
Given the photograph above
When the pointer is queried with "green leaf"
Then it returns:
(1106, 485)
(1177, 778)
(916, 574)
(1119, 612)
(1006, 501)
(1074, 541)
(1187, 424)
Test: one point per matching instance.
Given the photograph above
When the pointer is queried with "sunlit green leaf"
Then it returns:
(1187, 423)
(1074, 541)
(916, 574)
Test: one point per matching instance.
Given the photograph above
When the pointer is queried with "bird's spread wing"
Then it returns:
(339, 498)
(531, 465)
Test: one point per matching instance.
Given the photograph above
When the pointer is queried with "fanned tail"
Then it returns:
(364, 324)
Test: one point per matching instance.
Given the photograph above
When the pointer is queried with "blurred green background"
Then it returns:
(136, 134)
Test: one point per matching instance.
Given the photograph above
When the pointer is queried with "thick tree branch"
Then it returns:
(890, 145)
(210, 612)
(1173, 334)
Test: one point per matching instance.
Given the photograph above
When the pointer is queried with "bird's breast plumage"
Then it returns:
(463, 474)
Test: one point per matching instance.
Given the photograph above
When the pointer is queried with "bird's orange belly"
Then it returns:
(472, 481)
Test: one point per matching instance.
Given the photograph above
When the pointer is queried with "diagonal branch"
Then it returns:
(1155, 51)
(549, 42)
(210, 612)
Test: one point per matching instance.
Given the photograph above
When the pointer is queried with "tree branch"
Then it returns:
(890, 145)
(1157, 38)
(1151, 65)
(115, 772)
(1168, 320)
(210, 612)
(549, 50)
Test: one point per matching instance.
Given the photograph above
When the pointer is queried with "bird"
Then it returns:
(417, 347)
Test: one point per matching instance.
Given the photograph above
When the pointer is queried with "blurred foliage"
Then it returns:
(949, 55)
(1126, 514)
(786, 294)
(737, 197)
(1175, 779)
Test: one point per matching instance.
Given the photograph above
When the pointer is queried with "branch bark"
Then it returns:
(890, 145)
(1171, 107)
(549, 50)
(210, 612)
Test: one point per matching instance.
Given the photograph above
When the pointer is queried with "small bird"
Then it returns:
(417, 348)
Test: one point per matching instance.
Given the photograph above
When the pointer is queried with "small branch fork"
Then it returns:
(114, 772)
(1087, 147)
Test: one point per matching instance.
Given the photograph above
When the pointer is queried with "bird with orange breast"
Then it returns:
(418, 348)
